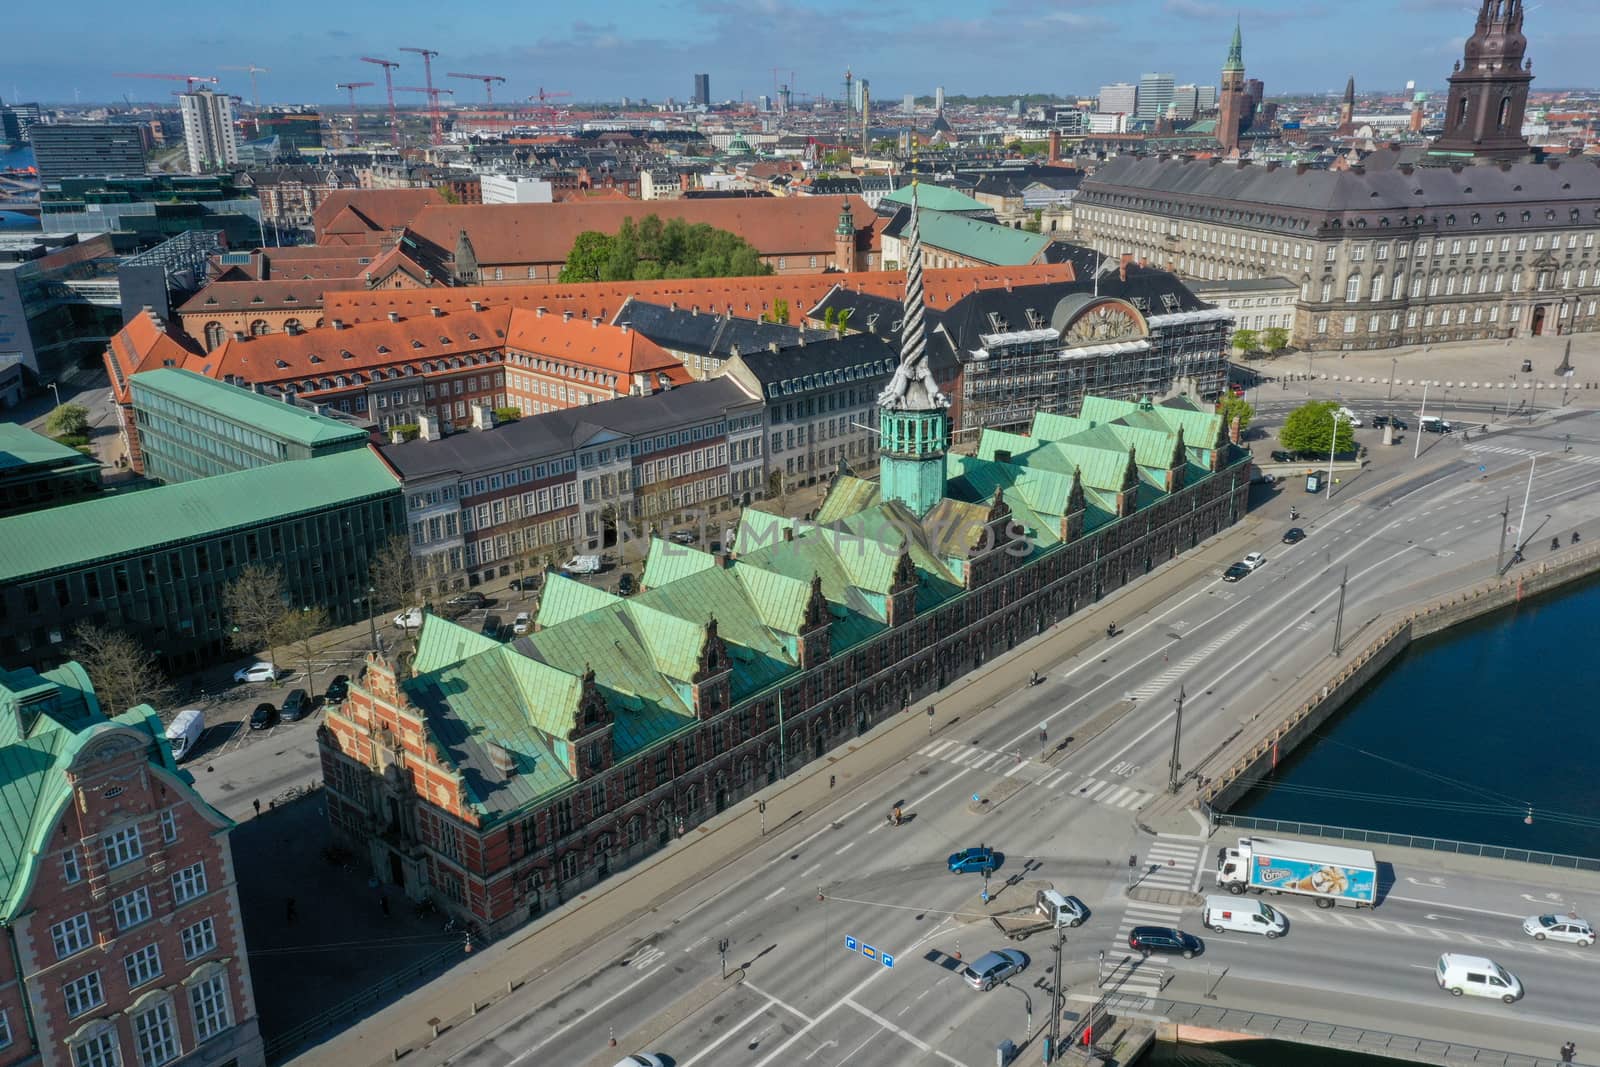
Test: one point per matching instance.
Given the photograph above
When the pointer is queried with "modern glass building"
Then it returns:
(76, 149)
(36, 472)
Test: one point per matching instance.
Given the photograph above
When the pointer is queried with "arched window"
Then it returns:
(214, 335)
(1461, 112)
(1352, 289)
(1416, 285)
(1398, 288)
(291, 325)
(259, 328)
(1377, 286)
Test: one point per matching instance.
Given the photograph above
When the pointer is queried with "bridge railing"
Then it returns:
(1381, 837)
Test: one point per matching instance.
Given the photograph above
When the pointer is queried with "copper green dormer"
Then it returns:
(1235, 51)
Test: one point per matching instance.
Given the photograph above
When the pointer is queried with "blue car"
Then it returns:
(972, 859)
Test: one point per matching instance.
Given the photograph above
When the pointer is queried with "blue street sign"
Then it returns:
(850, 943)
(869, 952)
(1481, 468)
(888, 960)
(975, 799)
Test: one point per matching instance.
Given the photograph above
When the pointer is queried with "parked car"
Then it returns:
(1293, 535)
(468, 600)
(1283, 457)
(1559, 928)
(256, 672)
(265, 716)
(992, 968)
(1235, 572)
(1397, 422)
(1148, 939)
(1253, 560)
(972, 859)
(522, 625)
(338, 690)
(685, 537)
(296, 706)
(642, 1059)
(410, 619)
(1379, 421)
(491, 626)
(626, 585)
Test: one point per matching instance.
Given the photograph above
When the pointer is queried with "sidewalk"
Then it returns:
(705, 854)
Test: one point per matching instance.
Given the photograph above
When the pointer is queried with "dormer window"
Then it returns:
(315, 358)
(415, 343)
(383, 350)
(282, 365)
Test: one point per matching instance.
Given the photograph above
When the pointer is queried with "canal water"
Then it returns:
(21, 156)
(1467, 735)
(1256, 1054)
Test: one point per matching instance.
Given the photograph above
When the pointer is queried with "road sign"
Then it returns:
(1481, 468)
(869, 952)
(850, 943)
(888, 960)
(975, 799)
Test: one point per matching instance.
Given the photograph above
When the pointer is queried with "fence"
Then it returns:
(1356, 1038)
(1380, 837)
(280, 1046)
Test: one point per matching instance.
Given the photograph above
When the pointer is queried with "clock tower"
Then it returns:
(1488, 92)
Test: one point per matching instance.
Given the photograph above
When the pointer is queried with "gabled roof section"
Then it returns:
(143, 344)
(564, 598)
(592, 343)
(668, 561)
(238, 405)
(442, 643)
(986, 242)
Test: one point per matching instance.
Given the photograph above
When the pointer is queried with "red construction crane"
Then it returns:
(355, 133)
(488, 81)
(389, 67)
(190, 78)
(427, 55)
(543, 96)
(432, 110)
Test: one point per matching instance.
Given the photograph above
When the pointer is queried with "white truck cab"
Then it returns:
(1244, 915)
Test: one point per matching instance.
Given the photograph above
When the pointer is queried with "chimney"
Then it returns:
(394, 316)
(396, 437)
(539, 313)
(1055, 146)
(482, 417)
(673, 305)
(240, 335)
(624, 327)
(1301, 168)
(772, 346)
(476, 306)
(788, 533)
(733, 351)
(501, 760)
(338, 324)
(435, 312)
(566, 316)
(595, 322)
(427, 428)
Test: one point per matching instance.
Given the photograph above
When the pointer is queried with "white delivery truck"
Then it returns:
(1243, 916)
(1330, 874)
(582, 565)
(183, 732)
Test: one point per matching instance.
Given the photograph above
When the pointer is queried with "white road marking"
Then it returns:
(707, 1049)
(588, 1016)
(908, 1035)
(846, 847)
(1455, 907)
(776, 892)
(911, 805)
(786, 1007)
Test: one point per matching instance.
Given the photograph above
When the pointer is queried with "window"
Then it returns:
(209, 1001)
(5, 1029)
(132, 909)
(154, 1035)
(189, 883)
(97, 1051)
(199, 939)
(142, 966)
(1352, 289)
(69, 866)
(71, 935)
(1349, 324)
(83, 994)
(122, 846)
(169, 826)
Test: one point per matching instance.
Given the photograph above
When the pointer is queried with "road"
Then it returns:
(1065, 815)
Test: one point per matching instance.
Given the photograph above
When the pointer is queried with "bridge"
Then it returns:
(1069, 781)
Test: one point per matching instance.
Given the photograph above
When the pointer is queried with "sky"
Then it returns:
(652, 48)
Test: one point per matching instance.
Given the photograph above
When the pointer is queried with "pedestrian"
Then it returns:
(1569, 1052)
(383, 902)
(288, 909)
(830, 781)
(257, 803)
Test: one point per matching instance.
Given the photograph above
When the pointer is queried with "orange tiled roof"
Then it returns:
(222, 297)
(588, 341)
(369, 213)
(544, 233)
(142, 345)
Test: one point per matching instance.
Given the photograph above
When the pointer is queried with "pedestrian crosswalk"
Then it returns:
(1105, 790)
(1170, 675)
(1507, 450)
(1172, 863)
(1126, 971)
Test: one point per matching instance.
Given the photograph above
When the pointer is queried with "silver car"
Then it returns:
(1559, 928)
(992, 968)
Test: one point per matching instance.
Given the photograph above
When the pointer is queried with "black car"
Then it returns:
(685, 537)
(1283, 457)
(1294, 535)
(1147, 939)
(625, 585)
(1235, 572)
(492, 626)
(338, 690)
(467, 600)
(1379, 421)
(264, 717)
(1397, 422)
(296, 706)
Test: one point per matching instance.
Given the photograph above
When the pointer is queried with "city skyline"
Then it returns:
(653, 51)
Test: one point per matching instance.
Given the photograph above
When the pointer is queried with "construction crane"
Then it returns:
(255, 94)
(190, 78)
(389, 67)
(427, 55)
(355, 133)
(488, 81)
(542, 96)
(433, 111)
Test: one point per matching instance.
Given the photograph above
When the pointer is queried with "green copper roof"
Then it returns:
(931, 197)
(565, 598)
(668, 561)
(986, 242)
(287, 422)
(137, 522)
(1235, 60)
(21, 447)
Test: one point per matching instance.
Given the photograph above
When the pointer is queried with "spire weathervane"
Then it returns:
(912, 388)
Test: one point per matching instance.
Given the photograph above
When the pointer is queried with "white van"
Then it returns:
(1478, 976)
(184, 731)
(1351, 417)
(582, 565)
(1247, 916)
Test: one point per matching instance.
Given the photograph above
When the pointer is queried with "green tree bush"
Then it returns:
(652, 249)
(68, 420)
(1310, 428)
(1230, 406)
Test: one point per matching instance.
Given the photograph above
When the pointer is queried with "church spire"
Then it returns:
(1235, 59)
(912, 388)
(1488, 91)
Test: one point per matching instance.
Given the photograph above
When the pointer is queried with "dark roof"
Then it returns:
(819, 357)
(686, 330)
(559, 432)
(835, 186)
(1012, 183)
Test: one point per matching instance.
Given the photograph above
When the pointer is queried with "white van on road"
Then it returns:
(1243, 915)
(1479, 976)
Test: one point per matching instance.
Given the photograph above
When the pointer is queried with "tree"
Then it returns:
(1246, 340)
(1034, 222)
(779, 312)
(650, 249)
(394, 575)
(1275, 339)
(589, 253)
(844, 321)
(68, 420)
(1310, 428)
(301, 630)
(124, 673)
(1231, 406)
(830, 318)
(254, 604)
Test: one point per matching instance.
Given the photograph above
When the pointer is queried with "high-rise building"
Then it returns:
(82, 149)
(1232, 103)
(1155, 93)
(908, 103)
(1119, 98)
(938, 99)
(1205, 98)
(1488, 91)
(1185, 102)
(702, 90)
(22, 118)
(208, 130)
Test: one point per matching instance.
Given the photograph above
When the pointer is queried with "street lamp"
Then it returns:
(1332, 445)
(56, 392)
(1394, 364)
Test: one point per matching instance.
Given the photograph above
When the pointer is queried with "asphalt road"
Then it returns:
(1065, 816)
